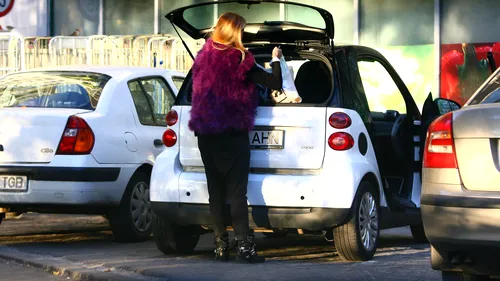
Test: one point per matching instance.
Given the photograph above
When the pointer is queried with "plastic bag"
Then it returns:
(288, 92)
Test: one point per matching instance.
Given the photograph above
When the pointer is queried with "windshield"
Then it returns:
(79, 90)
(490, 93)
(204, 17)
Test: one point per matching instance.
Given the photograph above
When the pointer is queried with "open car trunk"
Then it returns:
(286, 137)
(267, 20)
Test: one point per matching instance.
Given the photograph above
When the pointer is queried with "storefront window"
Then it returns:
(167, 6)
(396, 22)
(128, 17)
(75, 17)
(403, 31)
(341, 10)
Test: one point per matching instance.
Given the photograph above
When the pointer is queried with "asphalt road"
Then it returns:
(85, 243)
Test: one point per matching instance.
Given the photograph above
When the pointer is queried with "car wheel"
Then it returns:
(132, 220)
(459, 276)
(174, 239)
(357, 240)
(418, 233)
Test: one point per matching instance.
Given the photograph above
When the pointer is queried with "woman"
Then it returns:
(224, 101)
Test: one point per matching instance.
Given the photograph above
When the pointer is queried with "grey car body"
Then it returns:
(460, 201)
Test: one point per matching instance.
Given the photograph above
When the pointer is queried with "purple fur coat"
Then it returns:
(224, 98)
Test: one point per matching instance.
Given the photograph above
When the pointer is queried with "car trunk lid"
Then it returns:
(32, 135)
(476, 130)
(267, 20)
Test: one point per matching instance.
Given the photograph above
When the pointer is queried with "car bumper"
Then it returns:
(465, 230)
(259, 216)
(58, 186)
(62, 174)
(461, 219)
(332, 187)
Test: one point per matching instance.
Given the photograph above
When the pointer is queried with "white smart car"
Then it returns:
(338, 163)
(83, 139)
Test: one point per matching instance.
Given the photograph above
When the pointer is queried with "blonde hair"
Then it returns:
(229, 31)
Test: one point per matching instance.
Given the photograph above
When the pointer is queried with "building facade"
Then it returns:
(438, 46)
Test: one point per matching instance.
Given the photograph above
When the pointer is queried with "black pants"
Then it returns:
(227, 161)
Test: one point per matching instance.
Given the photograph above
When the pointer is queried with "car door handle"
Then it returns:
(158, 142)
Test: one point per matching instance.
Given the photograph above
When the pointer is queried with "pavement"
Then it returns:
(12, 271)
(81, 248)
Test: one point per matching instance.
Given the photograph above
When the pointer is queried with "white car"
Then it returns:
(83, 139)
(332, 164)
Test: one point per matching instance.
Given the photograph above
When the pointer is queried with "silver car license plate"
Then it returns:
(273, 139)
(13, 183)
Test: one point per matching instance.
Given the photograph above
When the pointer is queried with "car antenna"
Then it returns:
(183, 42)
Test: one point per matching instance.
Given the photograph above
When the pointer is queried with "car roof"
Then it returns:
(119, 72)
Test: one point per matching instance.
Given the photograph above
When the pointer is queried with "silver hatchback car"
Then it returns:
(460, 199)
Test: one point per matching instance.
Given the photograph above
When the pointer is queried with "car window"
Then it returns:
(490, 93)
(155, 93)
(178, 81)
(380, 89)
(52, 89)
(141, 103)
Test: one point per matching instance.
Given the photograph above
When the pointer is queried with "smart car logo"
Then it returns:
(46, 150)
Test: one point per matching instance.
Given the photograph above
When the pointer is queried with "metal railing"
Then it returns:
(158, 50)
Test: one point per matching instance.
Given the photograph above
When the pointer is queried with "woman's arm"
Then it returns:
(272, 80)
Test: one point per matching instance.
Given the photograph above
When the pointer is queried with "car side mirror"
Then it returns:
(446, 105)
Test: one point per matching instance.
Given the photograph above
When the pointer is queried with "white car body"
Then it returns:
(313, 176)
(93, 182)
(339, 162)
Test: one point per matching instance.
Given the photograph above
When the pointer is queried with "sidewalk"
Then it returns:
(24, 273)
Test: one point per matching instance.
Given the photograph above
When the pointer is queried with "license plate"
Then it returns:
(13, 183)
(267, 139)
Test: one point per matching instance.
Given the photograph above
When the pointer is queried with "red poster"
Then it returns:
(464, 67)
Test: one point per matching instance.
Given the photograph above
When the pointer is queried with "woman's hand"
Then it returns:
(277, 53)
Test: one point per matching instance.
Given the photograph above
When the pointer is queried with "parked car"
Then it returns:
(461, 187)
(83, 139)
(341, 162)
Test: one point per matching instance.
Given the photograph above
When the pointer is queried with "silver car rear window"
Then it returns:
(490, 93)
(51, 89)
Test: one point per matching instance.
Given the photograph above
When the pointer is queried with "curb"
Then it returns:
(74, 270)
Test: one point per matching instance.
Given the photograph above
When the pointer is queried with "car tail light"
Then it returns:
(439, 151)
(340, 141)
(169, 138)
(172, 118)
(77, 138)
(340, 120)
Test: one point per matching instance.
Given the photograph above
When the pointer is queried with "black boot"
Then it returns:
(246, 251)
(222, 248)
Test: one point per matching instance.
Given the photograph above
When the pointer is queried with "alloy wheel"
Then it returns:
(368, 221)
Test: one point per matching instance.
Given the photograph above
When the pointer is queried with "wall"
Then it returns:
(468, 33)
(28, 17)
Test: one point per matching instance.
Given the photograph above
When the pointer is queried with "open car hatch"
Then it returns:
(270, 21)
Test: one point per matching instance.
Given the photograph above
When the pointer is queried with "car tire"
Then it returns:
(364, 219)
(131, 221)
(418, 233)
(459, 276)
(173, 239)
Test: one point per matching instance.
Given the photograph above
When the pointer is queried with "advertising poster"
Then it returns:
(465, 67)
